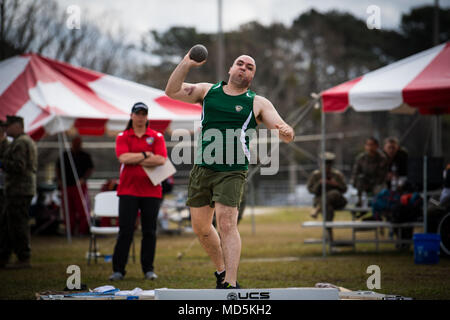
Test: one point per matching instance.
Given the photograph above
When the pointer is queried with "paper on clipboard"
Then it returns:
(160, 173)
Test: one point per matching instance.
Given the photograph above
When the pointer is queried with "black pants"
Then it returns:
(128, 210)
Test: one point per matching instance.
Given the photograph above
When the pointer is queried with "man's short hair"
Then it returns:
(392, 140)
(374, 140)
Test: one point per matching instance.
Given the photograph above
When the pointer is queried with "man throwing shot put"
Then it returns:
(219, 185)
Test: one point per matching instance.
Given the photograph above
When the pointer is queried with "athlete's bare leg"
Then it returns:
(201, 219)
(231, 240)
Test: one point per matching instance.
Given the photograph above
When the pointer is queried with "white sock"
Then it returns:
(219, 272)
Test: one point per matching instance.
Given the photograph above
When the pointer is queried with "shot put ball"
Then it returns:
(198, 53)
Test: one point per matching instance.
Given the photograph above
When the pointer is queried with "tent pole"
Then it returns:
(437, 135)
(408, 131)
(64, 187)
(425, 183)
(324, 187)
(220, 43)
(252, 188)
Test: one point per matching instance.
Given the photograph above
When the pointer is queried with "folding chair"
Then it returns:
(106, 205)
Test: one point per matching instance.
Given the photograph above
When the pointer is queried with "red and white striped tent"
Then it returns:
(53, 96)
(421, 81)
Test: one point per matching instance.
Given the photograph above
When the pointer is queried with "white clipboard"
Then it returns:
(160, 173)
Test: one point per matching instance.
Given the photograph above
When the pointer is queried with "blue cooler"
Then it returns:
(426, 248)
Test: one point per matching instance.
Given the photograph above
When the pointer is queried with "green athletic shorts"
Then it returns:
(207, 186)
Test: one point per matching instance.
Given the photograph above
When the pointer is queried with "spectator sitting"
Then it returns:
(409, 209)
(398, 206)
(369, 171)
(397, 162)
(336, 187)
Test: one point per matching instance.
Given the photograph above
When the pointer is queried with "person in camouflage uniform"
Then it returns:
(3, 145)
(335, 187)
(20, 166)
(370, 170)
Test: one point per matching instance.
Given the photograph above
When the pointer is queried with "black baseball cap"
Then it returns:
(139, 106)
(13, 119)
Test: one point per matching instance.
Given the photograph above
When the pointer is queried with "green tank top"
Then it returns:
(225, 136)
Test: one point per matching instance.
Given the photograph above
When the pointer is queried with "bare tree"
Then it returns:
(40, 27)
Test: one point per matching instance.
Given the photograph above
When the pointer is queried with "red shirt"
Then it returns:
(133, 180)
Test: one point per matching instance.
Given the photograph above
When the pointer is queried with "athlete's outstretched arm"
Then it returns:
(177, 89)
(266, 113)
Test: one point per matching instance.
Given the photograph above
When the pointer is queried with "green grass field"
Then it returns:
(273, 257)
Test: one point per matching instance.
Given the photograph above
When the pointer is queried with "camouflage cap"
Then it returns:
(13, 119)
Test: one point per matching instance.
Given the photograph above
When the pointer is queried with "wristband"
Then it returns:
(145, 155)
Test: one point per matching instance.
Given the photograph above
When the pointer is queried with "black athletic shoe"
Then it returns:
(226, 285)
(219, 279)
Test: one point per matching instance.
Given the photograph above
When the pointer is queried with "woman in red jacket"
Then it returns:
(137, 147)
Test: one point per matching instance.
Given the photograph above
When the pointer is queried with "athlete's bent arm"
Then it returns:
(266, 113)
(177, 89)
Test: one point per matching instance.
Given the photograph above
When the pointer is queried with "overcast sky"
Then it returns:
(138, 16)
